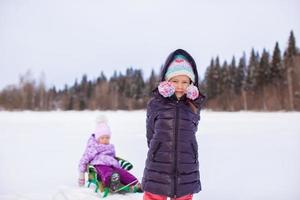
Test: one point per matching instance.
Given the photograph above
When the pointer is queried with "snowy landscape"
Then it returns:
(243, 155)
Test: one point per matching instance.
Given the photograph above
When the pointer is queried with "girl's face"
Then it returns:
(104, 139)
(180, 82)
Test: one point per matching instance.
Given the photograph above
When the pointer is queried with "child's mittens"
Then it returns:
(166, 88)
(81, 180)
(192, 92)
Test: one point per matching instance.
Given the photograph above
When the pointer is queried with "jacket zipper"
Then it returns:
(175, 155)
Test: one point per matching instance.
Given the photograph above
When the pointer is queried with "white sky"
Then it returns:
(66, 38)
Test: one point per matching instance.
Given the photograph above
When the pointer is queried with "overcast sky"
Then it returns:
(65, 39)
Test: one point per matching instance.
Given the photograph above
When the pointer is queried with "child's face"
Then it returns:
(104, 139)
(180, 82)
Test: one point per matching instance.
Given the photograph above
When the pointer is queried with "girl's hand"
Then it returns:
(192, 92)
(81, 180)
(166, 88)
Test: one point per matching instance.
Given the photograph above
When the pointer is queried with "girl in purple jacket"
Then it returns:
(101, 154)
(173, 113)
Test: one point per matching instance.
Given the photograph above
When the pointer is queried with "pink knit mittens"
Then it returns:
(167, 89)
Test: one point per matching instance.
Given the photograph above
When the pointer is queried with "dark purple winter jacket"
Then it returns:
(172, 167)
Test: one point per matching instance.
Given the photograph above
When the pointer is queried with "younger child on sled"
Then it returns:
(100, 158)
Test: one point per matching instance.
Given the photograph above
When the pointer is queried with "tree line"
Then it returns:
(265, 82)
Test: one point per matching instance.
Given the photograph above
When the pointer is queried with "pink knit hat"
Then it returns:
(102, 128)
(180, 66)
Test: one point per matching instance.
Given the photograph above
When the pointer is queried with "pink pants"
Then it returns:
(151, 196)
(105, 173)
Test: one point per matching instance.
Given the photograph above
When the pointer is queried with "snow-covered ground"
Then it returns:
(243, 155)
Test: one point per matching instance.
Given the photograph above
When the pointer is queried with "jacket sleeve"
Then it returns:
(150, 122)
(89, 153)
(199, 102)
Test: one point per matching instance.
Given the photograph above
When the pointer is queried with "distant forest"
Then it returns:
(266, 82)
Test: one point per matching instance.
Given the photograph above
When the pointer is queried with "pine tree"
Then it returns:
(290, 52)
(252, 72)
(211, 85)
(240, 82)
(291, 49)
(240, 75)
(263, 78)
(232, 74)
(264, 70)
(89, 89)
(277, 71)
(217, 76)
(225, 79)
(139, 83)
(71, 104)
(102, 78)
(225, 84)
(152, 82)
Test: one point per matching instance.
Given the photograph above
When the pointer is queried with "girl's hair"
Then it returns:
(193, 107)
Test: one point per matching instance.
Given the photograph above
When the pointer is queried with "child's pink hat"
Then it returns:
(102, 127)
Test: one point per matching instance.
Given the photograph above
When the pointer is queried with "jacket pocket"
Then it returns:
(155, 151)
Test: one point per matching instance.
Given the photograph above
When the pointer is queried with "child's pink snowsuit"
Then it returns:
(102, 157)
